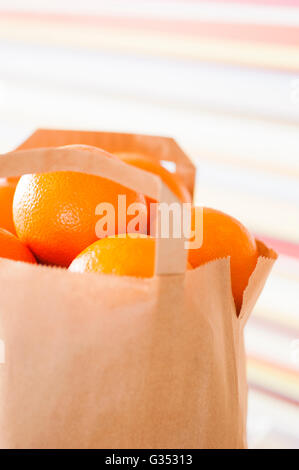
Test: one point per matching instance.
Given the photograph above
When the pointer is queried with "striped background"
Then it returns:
(223, 79)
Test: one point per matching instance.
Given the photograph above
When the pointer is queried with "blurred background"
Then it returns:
(223, 79)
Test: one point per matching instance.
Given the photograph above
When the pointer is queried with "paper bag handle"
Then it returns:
(171, 256)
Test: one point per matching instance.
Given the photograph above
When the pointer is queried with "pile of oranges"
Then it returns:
(50, 219)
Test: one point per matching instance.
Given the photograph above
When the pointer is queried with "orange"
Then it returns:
(7, 190)
(124, 256)
(54, 213)
(170, 179)
(13, 179)
(117, 255)
(12, 248)
(225, 236)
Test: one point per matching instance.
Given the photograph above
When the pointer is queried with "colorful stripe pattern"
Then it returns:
(249, 34)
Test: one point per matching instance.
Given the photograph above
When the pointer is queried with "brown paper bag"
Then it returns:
(100, 361)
